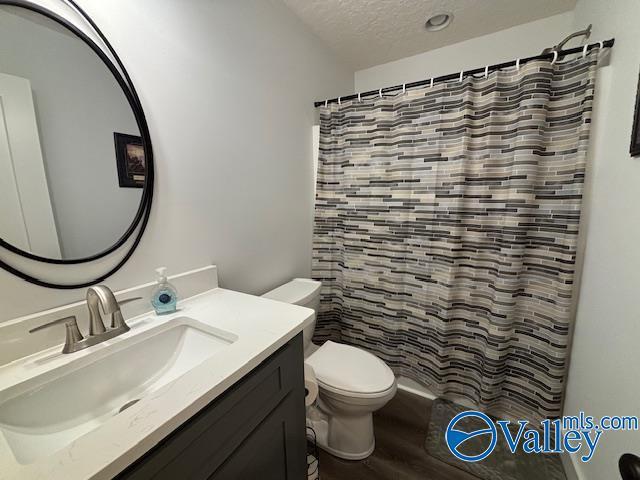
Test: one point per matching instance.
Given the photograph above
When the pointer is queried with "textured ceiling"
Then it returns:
(370, 32)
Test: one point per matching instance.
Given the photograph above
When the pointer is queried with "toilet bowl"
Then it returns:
(353, 383)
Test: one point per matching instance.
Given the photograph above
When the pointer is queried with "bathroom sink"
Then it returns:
(47, 412)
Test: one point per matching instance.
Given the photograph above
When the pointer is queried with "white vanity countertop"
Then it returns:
(262, 326)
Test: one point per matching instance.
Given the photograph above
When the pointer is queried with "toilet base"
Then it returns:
(350, 438)
(347, 455)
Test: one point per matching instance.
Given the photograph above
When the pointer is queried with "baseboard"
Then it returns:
(569, 465)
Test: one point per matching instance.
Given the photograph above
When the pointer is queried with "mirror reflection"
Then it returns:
(72, 164)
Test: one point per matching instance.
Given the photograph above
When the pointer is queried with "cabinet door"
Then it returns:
(273, 451)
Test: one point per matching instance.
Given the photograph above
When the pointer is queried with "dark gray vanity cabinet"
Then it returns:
(255, 430)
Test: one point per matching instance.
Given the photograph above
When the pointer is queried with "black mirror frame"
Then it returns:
(142, 215)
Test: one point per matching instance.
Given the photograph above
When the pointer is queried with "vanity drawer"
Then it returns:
(254, 430)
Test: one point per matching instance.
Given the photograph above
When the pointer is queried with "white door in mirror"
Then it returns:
(26, 214)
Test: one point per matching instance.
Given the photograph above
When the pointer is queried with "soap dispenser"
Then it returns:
(164, 297)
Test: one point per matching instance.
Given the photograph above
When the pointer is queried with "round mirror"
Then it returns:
(73, 162)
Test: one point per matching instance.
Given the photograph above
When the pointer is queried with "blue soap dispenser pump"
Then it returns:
(164, 297)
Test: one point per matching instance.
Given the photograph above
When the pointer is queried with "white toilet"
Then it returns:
(352, 383)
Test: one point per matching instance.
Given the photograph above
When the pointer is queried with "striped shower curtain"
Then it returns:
(446, 224)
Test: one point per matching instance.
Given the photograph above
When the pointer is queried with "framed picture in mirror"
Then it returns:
(634, 150)
(130, 160)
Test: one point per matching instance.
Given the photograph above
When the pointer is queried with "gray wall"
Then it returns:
(519, 41)
(603, 378)
(78, 107)
(228, 87)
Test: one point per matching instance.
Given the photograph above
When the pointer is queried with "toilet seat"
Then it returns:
(356, 398)
(350, 371)
(352, 383)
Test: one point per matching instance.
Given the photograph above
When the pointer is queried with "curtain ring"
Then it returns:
(461, 73)
(359, 98)
(486, 71)
(380, 93)
(601, 45)
(339, 100)
(326, 103)
(584, 50)
(518, 65)
(555, 57)
(404, 88)
(431, 85)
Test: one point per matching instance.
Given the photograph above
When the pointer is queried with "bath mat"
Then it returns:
(501, 464)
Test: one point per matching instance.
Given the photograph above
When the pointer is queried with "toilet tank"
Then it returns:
(300, 291)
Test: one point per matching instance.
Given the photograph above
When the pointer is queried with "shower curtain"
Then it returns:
(446, 224)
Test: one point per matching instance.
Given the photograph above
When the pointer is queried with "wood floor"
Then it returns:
(401, 428)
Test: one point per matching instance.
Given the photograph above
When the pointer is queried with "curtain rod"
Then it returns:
(490, 68)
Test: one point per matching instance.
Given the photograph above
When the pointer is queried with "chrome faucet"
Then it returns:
(97, 296)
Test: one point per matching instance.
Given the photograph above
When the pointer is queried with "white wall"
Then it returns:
(603, 378)
(78, 107)
(231, 125)
(521, 41)
(228, 88)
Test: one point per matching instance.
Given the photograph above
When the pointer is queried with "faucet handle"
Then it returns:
(73, 335)
(128, 300)
(117, 320)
